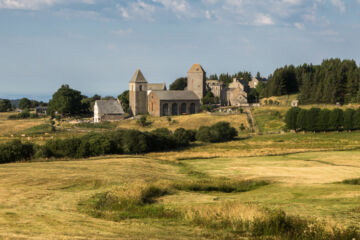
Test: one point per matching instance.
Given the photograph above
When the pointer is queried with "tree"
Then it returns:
(124, 99)
(24, 103)
(348, 119)
(179, 84)
(324, 120)
(5, 105)
(312, 119)
(66, 101)
(356, 119)
(209, 98)
(301, 119)
(291, 118)
(213, 77)
(336, 119)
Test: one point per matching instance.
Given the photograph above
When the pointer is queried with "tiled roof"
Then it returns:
(156, 86)
(176, 95)
(109, 107)
(138, 77)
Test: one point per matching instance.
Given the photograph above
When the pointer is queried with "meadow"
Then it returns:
(207, 191)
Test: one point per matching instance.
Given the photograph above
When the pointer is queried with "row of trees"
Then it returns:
(331, 82)
(316, 119)
(115, 142)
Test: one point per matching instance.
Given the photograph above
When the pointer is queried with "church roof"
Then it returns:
(156, 86)
(138, 77)
(176, 95)
(109, 107)
(196, 68)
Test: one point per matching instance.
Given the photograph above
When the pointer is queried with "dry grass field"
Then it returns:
(304, 172)
(187, 121)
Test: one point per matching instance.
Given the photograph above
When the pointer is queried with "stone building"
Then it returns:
(166, 103)
(196, 80)
(256, 80)
(153, 98)
(108, 110)
(138, 94)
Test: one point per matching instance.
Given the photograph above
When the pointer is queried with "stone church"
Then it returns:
(154, 99)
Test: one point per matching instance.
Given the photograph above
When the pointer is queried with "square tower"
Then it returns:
(138, 94)
(196, 81)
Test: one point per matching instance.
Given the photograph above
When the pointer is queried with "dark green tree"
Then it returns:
(348, 119)
(25, 103)
(301, 119)
(179, 84)
(67, 102)
(324, 120)
(336, 119)
(124, 99)
(5, 105)
(291, 118)
(356, 119)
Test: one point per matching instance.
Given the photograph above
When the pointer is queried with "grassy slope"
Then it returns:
(40, 199)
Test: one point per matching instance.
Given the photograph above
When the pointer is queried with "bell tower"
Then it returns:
(138, 94)
(196, 81)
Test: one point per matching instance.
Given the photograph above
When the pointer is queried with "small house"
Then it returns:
(42, 111)
(108, 110)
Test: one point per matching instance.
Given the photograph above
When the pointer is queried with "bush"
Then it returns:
(219, 132)
(16, 151)
(336, 119)
(23, 115)
(183, 137)
(207, 108)
(291, 117)
(142, 121)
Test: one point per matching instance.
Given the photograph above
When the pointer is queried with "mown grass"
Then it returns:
(186, 121)
(102, 125)
(138, 201)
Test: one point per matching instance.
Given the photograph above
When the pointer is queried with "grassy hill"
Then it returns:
(207, 191)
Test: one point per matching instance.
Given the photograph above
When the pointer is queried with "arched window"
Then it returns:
(165, 109)
(174, 109)
(192, 108)
(183, 108)
(140, 88)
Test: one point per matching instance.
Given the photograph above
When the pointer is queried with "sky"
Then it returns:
(96, 46)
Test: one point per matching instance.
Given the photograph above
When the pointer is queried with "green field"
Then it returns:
(205, 191)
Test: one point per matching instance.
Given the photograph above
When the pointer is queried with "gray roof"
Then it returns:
(156, 86)
(138, 77)
(176, 95)
(109, 107)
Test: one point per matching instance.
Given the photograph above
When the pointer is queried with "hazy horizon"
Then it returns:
(96, 46)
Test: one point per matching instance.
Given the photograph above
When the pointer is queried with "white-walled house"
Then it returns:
(108, 110)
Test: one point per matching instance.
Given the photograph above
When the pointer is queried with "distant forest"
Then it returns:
(331, 82)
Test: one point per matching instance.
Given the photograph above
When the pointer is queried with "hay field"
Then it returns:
(187, 121)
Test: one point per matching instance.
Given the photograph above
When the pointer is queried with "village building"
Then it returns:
(165, 103)
(108, 110)
(41, 111)
(153, 98)
(256, 80)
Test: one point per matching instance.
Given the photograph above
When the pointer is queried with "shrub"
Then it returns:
(291, 117)
(348, 119)
(336, 119)
(23, 115)
(16, 151)
(183, 137)
(142, 121)
(242, 127)
(134, 142)
(324, 120)
(219, 132)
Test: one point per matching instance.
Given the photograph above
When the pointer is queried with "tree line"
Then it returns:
(316, 119)
(334, 81)
(115, 142)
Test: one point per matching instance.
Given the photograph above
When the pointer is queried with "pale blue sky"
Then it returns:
(95, 46)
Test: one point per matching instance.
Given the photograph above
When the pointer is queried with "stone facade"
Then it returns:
(173, 103)
(196, 80)
(255, 81)
(155, 100)
(108, 110)
(138, 94)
